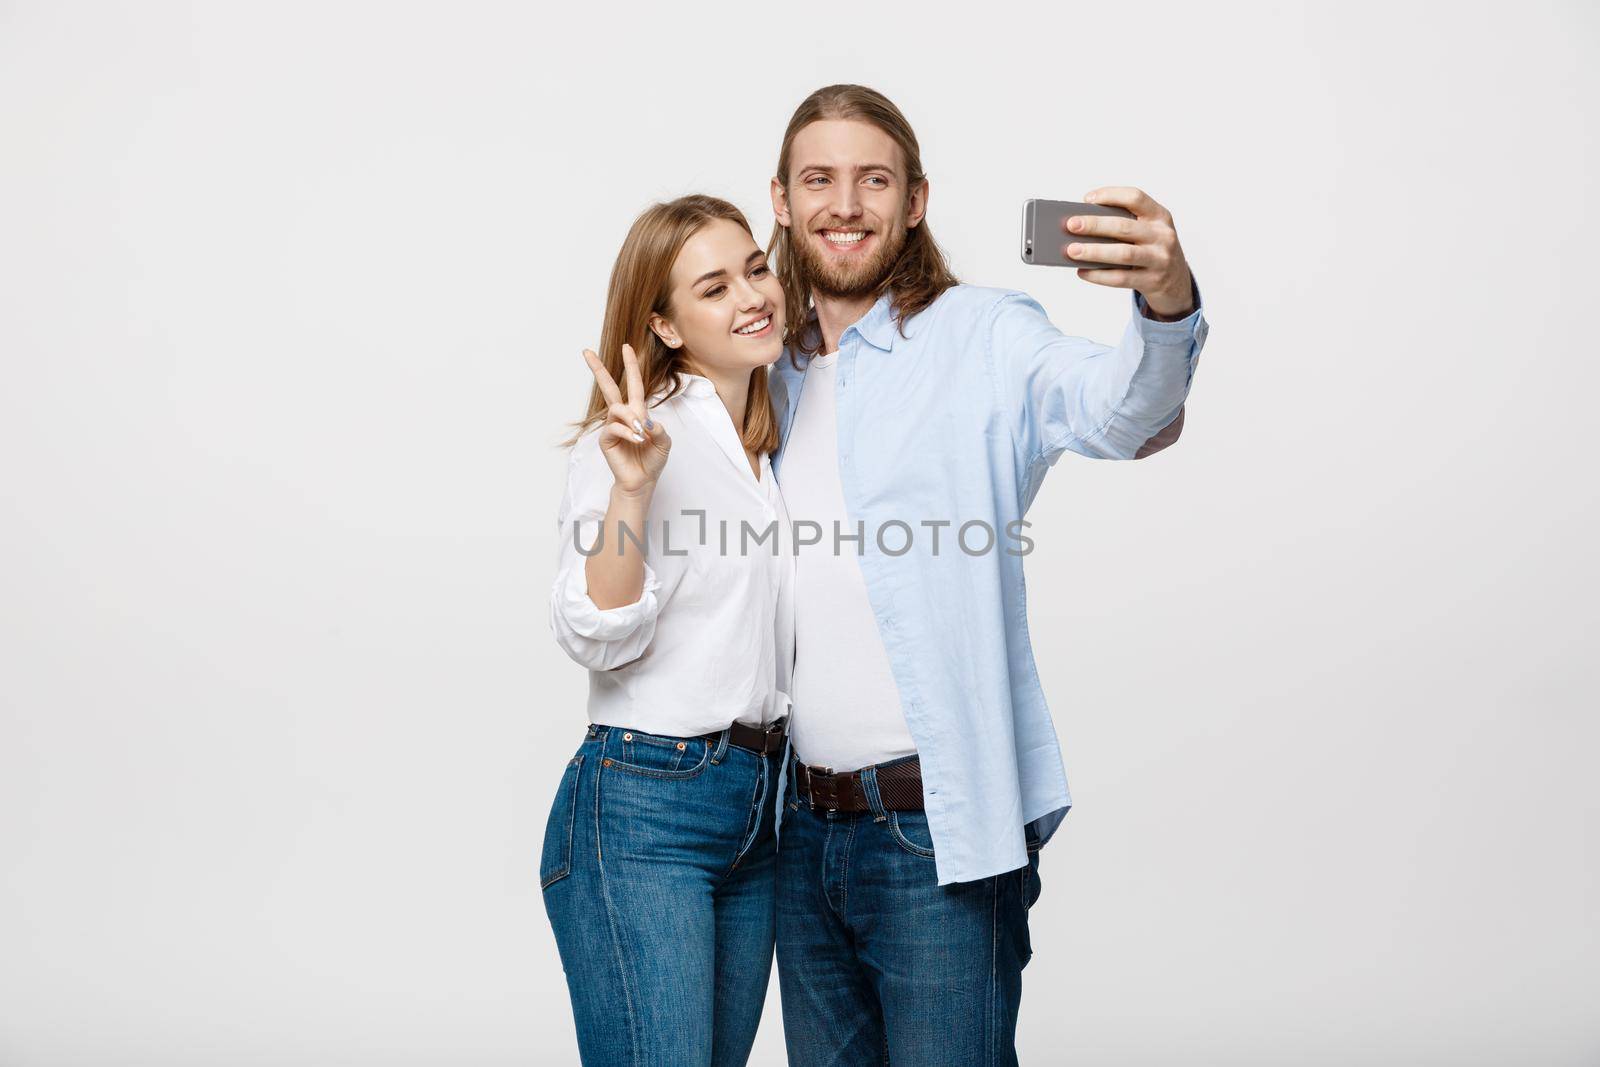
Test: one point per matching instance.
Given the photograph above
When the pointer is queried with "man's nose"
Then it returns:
(846, 201)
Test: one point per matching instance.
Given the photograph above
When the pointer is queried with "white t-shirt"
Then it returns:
(711, 639)
(846, 706)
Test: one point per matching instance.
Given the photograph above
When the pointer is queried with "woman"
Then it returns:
(674, 589)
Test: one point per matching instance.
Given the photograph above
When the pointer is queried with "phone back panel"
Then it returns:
(1043, 239)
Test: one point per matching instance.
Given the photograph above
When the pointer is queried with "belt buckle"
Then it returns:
(811, 789)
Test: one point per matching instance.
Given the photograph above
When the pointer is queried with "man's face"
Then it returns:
(847, 207)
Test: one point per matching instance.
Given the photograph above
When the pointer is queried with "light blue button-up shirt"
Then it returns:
(956, 422)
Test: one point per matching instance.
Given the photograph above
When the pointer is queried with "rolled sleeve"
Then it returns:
(584, 619)
(601, 639)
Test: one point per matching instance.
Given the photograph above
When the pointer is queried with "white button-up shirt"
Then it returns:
(711, 639)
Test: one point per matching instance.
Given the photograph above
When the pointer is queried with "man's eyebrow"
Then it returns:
(719, 272)
(825, 169)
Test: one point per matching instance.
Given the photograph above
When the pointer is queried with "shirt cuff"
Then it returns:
(1192, 327)
(605, 624)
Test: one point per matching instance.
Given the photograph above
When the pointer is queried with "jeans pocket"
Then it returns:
(655, 756)
(910, 831)
(1031, 885)
(555, 862)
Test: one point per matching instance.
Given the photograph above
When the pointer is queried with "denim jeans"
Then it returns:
(657, 877)
(877, 962)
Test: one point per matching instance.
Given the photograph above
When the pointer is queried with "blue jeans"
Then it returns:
(657, 877)
(877, 962)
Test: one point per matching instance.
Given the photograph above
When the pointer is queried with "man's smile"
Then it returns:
(846, 240)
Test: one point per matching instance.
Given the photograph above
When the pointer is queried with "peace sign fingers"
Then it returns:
(630, 371)
(602, 377)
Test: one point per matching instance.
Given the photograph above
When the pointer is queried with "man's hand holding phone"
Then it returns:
(1148, 257)
(1140, 252)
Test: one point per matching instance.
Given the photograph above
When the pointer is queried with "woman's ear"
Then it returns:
(663, 329)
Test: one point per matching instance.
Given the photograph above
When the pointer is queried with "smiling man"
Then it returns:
(925, 773)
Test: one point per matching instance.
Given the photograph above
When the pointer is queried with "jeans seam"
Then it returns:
(572, 822)
(611, 920)
(844, 873)
(758, 805)
(993, 1022)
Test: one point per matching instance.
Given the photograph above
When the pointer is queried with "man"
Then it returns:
(919, 417)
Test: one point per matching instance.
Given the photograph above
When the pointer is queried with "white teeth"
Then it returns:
(845, 238)
(755, 327)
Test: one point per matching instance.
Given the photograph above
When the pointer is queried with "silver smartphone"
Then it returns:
(1044, 242)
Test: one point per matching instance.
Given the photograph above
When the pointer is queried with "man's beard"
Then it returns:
(849, 280)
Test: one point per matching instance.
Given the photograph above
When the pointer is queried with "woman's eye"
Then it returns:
(759, 271)
(715, 291)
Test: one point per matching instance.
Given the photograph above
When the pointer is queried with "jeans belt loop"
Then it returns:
(869, 786)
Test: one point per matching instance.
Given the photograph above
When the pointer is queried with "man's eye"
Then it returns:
(815, 181)
(880, 181)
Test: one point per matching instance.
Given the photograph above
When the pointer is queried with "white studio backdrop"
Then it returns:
(291, 303)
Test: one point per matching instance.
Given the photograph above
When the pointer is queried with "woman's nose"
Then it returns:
(750, 297)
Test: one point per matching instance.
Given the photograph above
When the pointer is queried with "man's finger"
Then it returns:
(1114, 277)
(1120, 254)
(1135, 230)
(1135, 200)
(602, 377)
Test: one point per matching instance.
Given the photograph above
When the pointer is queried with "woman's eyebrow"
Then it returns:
(720, 272)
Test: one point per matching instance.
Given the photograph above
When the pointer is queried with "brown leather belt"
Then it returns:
(763, 742)
(899, 787)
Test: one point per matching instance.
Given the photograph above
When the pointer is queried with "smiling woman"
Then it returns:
(661, 895)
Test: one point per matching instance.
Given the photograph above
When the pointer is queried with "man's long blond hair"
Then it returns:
(918, 275)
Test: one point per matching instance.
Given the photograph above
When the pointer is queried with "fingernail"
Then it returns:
(650, 424)
(637, 427)
(638, 439)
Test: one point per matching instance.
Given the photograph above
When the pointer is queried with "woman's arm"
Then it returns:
(603, 612)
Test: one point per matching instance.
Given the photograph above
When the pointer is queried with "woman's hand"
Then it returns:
(635, 446)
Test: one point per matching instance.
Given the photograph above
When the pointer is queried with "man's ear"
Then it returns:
(663, 329)
(918, 207)
(780, 203)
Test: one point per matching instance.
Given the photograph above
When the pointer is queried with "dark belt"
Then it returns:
(763, 741)
(899, 787)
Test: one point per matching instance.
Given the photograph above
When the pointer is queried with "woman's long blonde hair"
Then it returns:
(641, 287)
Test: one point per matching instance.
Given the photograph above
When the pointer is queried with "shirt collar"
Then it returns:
(877, 326)
(698, 385)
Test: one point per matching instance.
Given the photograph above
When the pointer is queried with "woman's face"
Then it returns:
(726, 306)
